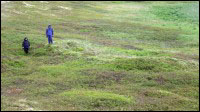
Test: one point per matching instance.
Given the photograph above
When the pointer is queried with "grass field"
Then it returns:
(110, 55)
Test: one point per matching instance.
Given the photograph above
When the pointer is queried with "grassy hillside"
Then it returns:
(106, 56)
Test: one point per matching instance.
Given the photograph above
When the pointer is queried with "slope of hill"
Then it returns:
(105, 56)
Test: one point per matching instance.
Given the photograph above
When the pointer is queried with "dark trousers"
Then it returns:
(50, 40)
(26, 50)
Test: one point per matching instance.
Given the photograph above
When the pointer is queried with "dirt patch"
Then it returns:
(160, 80)
(14, 91)
(111, 75)
(102, 78)
(143, 98)
(131, 47)
(104, 41)
(187, 57)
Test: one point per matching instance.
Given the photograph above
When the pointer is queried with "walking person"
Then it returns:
(49, 34)
(26, 45)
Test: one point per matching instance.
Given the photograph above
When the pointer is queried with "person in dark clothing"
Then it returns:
(26, 45)
(49, 34)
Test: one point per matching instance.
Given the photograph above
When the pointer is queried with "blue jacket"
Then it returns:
(26, 44)
(49, 31)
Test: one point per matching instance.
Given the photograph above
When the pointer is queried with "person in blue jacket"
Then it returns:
(49, 34)
(26, 45)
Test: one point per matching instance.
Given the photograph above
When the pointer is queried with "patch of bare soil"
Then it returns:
(131, 47)
(187, 57)
(14, 91)
(160, 80)
(103, 78)
(143, 98)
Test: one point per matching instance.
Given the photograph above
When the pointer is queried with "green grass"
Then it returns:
(148, 64)
(182, 12)
(114, 55)
(95, 99)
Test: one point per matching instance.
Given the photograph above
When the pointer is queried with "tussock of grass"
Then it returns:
(147, 64)
(96, 98)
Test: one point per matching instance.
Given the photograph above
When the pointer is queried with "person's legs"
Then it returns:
(50, 39)
(26, 50)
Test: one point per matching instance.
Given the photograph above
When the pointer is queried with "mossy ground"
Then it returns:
(113, 55)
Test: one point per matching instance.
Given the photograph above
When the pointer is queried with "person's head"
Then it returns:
(25, 38)
(49, 26)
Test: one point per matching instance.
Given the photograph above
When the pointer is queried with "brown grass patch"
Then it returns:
(102, 78)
